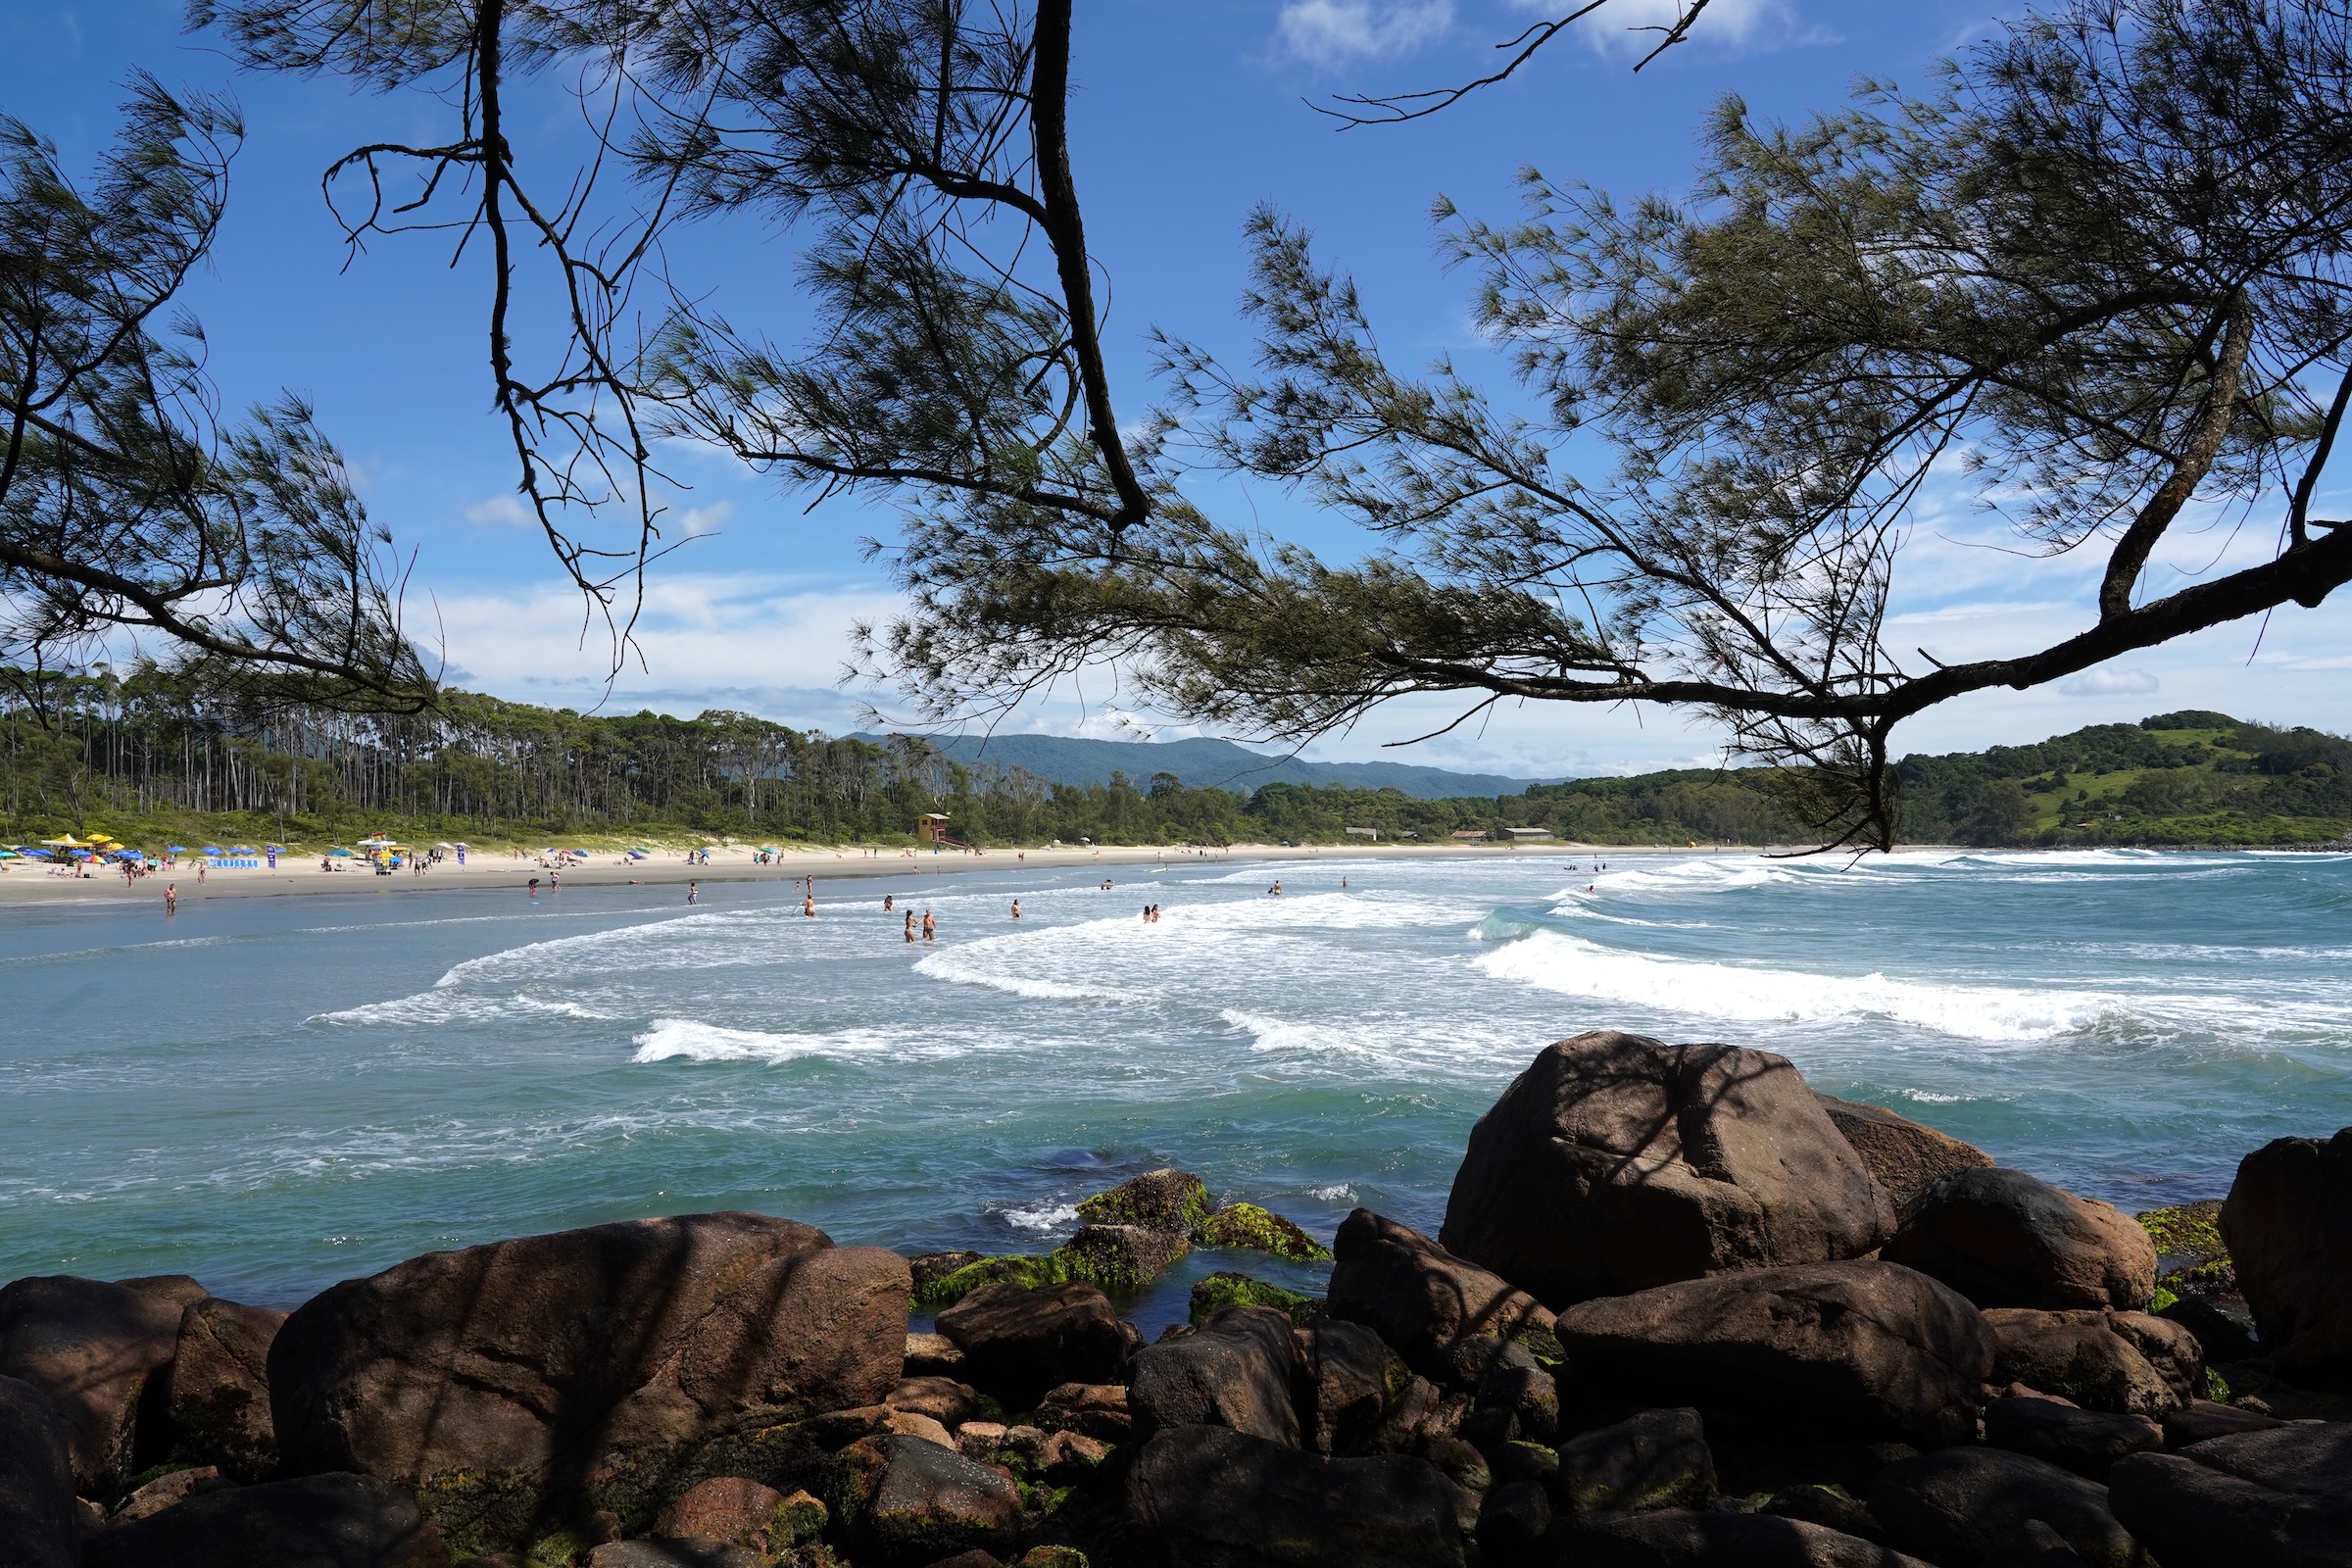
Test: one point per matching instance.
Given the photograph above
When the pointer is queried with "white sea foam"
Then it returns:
(438, 1007)
(1568, 965)
(691, 1040)
(1050, 1217)
(1340, 1192)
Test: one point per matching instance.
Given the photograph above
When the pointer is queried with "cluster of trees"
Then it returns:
(164, 749)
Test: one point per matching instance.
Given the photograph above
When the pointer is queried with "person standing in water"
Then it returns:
(889, 903)
(1274, 892)
(911, 925)
(694, 893)
(930, 930)
(170, 898)
(808, 906)
(1016, 908)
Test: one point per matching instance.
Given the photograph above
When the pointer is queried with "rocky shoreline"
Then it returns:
(1683, 1311)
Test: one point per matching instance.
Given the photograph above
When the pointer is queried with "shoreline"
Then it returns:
(299, 875)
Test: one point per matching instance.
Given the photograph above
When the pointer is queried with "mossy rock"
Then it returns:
(2187, 1235)
(1120, 1260)
(1157, 1199)
(1246, 1225)
(1239, 1290)
(1017, 1268)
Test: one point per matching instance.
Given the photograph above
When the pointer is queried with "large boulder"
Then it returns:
(1350, 1376)
(2277, 1498)
(1017, 1341)
(1616, 1163)
(908, 1502)
(1211, 1497)
(1906, 1156)
(1658, 1460)
(2126, 1362)
(2087, 1443)
(1962, 1505)
(550, 1355)
(37, 1524)
(1123, 1258)
(1238, 1370)
(101, 1353)
(2003, 1238)
(1157, 1199)
(323, 1521)
(220, 1388)
(1851, 1351)
(1682, 1539)
(1417, 1295)
(2289, 1223)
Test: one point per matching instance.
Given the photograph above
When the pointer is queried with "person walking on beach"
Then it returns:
(911, 925)
(930, 929)
(170, 898)
(1016, 908)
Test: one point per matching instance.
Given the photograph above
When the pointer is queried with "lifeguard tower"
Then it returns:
(932, 828)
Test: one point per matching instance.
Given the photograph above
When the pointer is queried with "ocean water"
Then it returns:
(273, 1094)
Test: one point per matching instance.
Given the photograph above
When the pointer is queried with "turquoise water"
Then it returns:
(276, 1093)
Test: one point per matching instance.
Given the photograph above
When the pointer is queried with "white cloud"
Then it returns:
(1634, 28)
(2108, 683)
(1340, 32)
(500, 512)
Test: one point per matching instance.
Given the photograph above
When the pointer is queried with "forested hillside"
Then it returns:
(159, 754)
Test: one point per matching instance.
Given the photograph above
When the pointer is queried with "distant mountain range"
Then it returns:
(1206, 763)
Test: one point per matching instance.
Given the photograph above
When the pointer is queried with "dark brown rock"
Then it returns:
(734, 1509)
(1097, 1409)
(101, 1353)
(1419, 1297)
(1071, 1456)
(2087, 1443)
(1658, 1460)
(2003, 1238)
(1511, 1519)
(1961, 1504)
(530, 1356)
(38, 1516)
(322, 1521)
(1211, 1497)
(1017, 1343)
(1157, 1199)
(1516, 1400)
(2200, 1419)
(2222, 1336)
(1906, 1156)
(1616, 1163)
(2289, 1223)
(220, 1388)
(1687, 1539)
(168, 1490)
(675, 1553)
(2082, 1356)
(909, 1503)
(1854, 1351)
(932, 1355)
(944, 1399)
(180, 1290)
(1350, 1377)
(2281, 1499)
(1238, 1371)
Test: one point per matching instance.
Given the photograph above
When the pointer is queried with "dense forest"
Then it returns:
(159, 753)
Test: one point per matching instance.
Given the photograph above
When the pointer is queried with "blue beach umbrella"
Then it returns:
(214, 849)
(344, 854)
(175, 848)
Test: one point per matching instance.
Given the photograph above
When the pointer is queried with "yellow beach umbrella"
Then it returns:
(68, 842)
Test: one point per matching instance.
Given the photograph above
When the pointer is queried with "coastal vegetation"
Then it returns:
(163, 755)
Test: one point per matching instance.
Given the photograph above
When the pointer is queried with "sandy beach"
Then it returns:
(32, 882)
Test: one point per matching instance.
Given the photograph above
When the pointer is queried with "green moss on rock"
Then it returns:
(1239, 1290)
(1017, 1268)
(1246, 1225)
(1157, 1199)
(1120, 1260)
(2187, 1235)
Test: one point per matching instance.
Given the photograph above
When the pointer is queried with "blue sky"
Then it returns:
(1187, 114)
